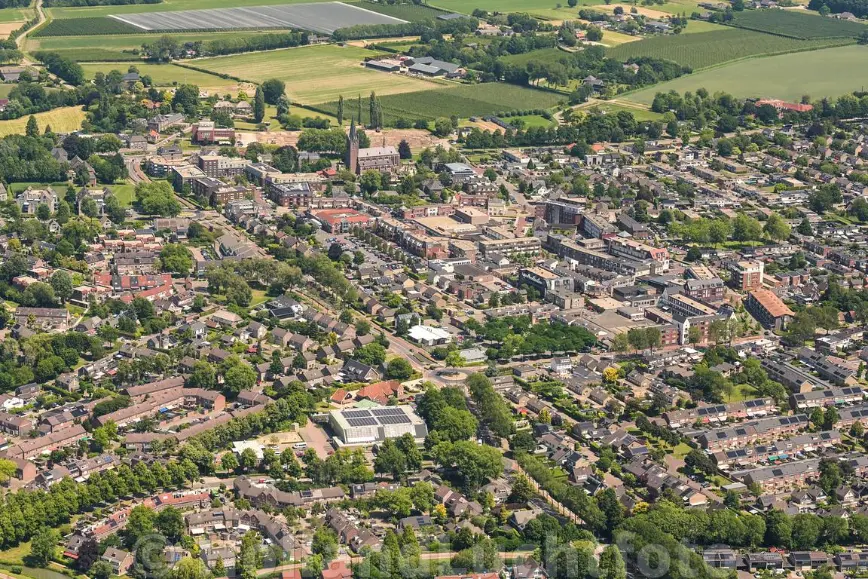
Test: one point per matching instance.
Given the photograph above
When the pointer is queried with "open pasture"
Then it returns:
(325, 17)
(316, 74)
(830, 72)
(706, 49)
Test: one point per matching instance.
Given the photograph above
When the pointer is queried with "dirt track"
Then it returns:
(418, 139)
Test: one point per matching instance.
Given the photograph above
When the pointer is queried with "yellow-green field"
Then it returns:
(611, 38)
(316, 74)
(167, 75)
(62, 120)
(821, 73)
(14, 14)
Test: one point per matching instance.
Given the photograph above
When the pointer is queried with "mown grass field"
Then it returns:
(546, 55)
(830, 72)
(639, 112)
(316, 74)
(611, 38)
(706, 49)
(165, 75)
(463, 101)
(62, 120)
(796, 24)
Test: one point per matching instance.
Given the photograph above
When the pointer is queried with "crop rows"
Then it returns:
(796, 25)
(708, 49)
(408, 12)
(98, 55)
(85, 27)
(463, 101)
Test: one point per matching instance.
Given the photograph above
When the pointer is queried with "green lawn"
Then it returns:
(681, 450)
(167, 75)
(316, 74)
(125, 193)
(532, 121)
(15, 555)
(821, 73)
(742, 392)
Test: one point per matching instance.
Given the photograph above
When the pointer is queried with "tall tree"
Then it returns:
(32, 129)
(259, 105)
(340, 114)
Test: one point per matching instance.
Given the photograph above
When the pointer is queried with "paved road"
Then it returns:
(559, 507)
(134, 170)
(424, 557)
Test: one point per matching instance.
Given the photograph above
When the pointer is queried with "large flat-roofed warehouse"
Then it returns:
(370, 426)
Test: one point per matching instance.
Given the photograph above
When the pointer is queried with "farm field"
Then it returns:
(700, 26)
(316, 74)
(325, 17)
(546, 55)
(96, 26)
(121, 42)
(14, 14)
(611, 38)
(408, 12)
(796, 24)
(62, 120)
(706, 49)
(463, 101)
(830, 72)
(167, 75)
(165, 6)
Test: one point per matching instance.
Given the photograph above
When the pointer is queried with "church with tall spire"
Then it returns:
(352, 157)
(384, 159)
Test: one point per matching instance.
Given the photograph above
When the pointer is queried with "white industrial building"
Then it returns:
(353, 427)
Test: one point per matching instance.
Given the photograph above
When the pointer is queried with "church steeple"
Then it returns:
(352, 159)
